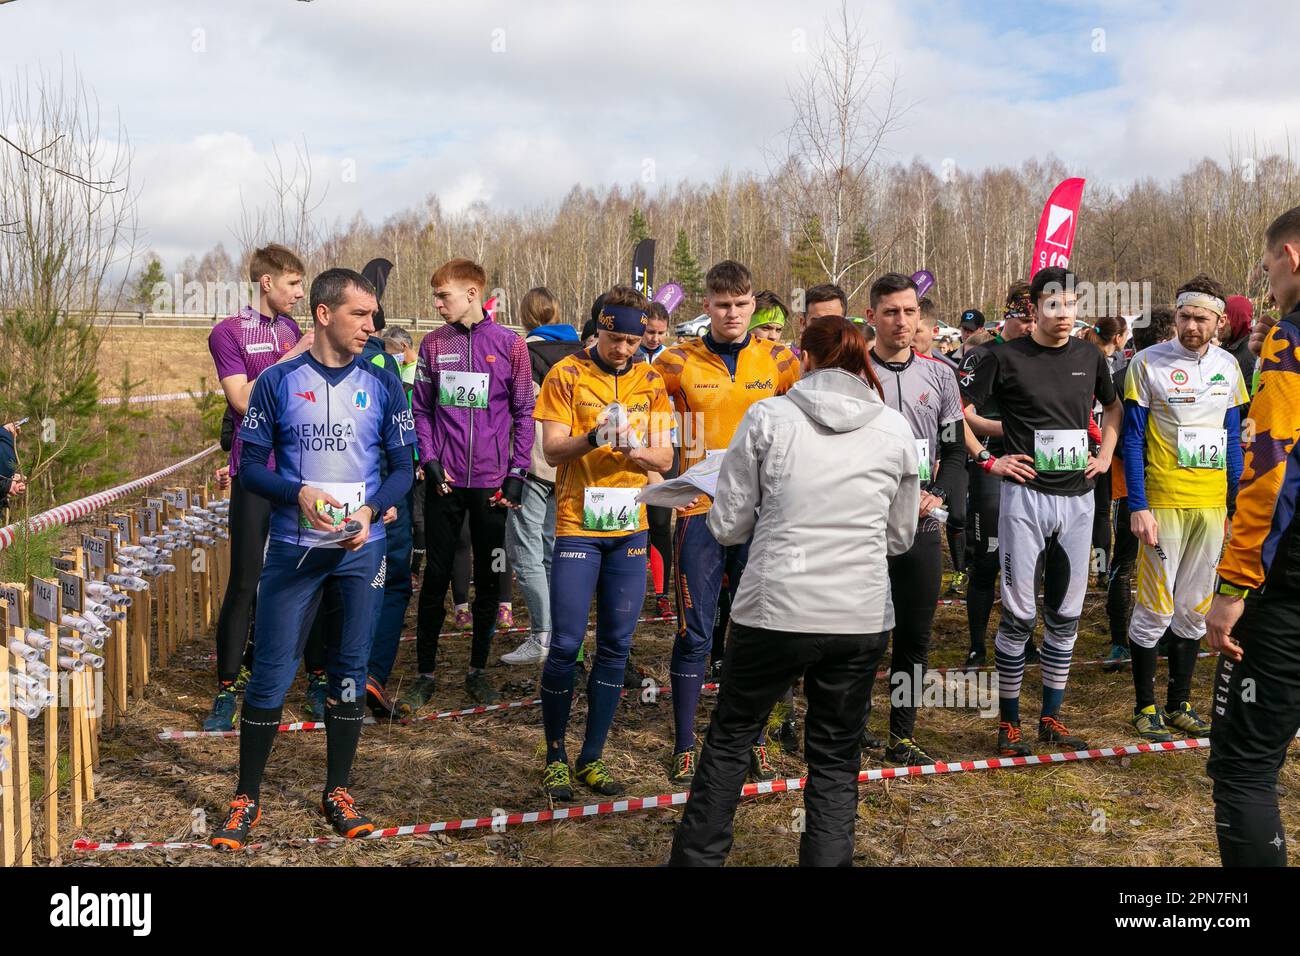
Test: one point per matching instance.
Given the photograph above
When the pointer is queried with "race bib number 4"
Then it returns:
(923, 458)
(463, 389)
(350, 494)
(1061, 450)
(1203, 448)
(610, 509)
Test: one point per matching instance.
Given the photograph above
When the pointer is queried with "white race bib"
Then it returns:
(610, 509)
(463, 389)
(350, 494)
(1203, 448)
(923, 458)
(1061, 450)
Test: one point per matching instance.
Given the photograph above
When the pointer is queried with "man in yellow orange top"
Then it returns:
(606, 421)
(1254, 620)
(712, 381)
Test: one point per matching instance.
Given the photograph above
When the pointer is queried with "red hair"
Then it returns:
(835, 342)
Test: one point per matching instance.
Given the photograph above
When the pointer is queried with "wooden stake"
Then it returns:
(7, 856)
(21, 760)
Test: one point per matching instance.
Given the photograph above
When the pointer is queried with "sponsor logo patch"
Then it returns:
(308, 395)
(253, 348)
(361, 399)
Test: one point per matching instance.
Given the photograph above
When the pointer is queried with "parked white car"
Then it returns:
(692, 327)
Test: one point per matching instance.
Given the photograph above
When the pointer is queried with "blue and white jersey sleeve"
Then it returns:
(258, 424)
(399, 422)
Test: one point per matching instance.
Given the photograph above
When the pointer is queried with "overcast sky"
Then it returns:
(512, 103)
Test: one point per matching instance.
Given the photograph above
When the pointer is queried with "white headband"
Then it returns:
(1202, 300)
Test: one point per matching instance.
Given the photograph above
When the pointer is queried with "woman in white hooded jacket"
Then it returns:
(825, 480)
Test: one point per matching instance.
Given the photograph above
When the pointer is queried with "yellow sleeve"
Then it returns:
(1268, 435)
(788, 369)
(669, 365)
(555, 400)
(1132, 392)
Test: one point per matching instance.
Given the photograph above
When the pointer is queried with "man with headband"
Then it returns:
(770, 315)
(606, 422)
(1182, 460)
(712, 381)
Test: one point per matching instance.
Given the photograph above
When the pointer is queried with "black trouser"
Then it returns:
(914, 579)
(661, 539)
(1101, 522)
(1119, 592)
(250, 519)
(443, 517)
(1256, 715)
(417, 525)
(982, 537)
(761, 665)
(957, 546)
(460, 571)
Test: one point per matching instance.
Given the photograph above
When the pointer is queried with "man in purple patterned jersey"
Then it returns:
(473, 405)
(243, 346)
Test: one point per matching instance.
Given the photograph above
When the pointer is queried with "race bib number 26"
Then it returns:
(463, 389)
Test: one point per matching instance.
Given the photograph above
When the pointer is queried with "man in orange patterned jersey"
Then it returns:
(1254, 620)
(712, 381)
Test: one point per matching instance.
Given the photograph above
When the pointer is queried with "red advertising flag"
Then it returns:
(1055, 240)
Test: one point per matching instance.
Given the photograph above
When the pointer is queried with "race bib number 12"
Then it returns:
(1203, 448)
(610, 509)
(463, 389)
(1061, 450)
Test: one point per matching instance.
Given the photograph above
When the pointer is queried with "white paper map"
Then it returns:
(680, 492)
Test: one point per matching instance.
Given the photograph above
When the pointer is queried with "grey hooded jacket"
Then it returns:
(824, 478)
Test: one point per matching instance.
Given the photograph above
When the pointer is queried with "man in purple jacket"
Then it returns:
(243, 346)
(473, 405)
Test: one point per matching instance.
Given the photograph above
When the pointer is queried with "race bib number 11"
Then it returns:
(1061, 450)
(1203, 448)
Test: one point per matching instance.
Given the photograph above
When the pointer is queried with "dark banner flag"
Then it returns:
(643, 267)
(376, 270)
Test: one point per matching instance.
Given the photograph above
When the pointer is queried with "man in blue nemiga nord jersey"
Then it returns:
(329, 417)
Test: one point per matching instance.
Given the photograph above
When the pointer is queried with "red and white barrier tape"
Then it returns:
(63, 514)
(490, 708)
(145, 399)
(319, 725)
(633, 804)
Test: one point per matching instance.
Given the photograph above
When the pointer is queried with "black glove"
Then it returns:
(512, 490)
(434, 474)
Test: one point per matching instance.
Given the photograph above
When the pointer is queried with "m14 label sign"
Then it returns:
(45, 600)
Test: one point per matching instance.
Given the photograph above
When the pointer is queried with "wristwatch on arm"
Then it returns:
(1228, 589)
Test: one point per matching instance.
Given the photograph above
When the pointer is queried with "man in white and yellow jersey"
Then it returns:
(1183, 401)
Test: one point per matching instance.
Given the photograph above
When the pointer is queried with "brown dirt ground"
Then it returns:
(1157, 808)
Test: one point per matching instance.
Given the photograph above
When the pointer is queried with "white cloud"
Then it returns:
(414, 95)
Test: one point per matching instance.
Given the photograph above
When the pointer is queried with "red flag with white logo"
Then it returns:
(1055, 239)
